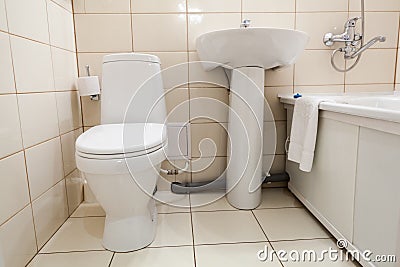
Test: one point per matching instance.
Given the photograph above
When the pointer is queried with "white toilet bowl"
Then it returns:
(121, 163)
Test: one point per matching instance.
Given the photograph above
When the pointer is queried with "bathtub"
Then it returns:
(354, 186)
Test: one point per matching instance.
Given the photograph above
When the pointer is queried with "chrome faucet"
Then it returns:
(349, 37)
(354, 42)
(368, 45)
(245, 23)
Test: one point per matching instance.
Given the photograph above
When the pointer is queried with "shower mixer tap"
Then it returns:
(349, 37)
(353, 41)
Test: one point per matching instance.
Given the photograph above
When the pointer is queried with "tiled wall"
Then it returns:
(169, 28)
(40, 117)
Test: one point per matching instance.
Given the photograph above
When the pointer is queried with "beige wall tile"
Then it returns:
(274, 130)
(91, 111)
(271, 95)
(317, 24)
(209, 139)
(398, 68)
(38, 113)
(214, 6)
(10, 131)
(373, 22)
(319, 89)
(95, 62)
(198, 77)
(17, 239)
(174, 67)
(61, 27)
(361, 88)
(32, 65)
(202, 23)
(268, 6)
(177, 101)
(167, 32)
(375, 5)
(64, 68)
(69, 111)
(209, 105)
(378, 63)
(28, 18)
(274, 20)
(314, 68)
(74, 184)
(103, 32)
(156, 6)
(14, 193)
(321, 5)
(279, 77)
(6, 68)
(207, 169)
(3, 18)
(79, 6)
(67, 4)
(278, 164)
(50, 211)
(44, 166)
(68, 150)
(107, 6)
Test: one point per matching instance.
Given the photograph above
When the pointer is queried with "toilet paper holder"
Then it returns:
(89, 85)
(92, 97)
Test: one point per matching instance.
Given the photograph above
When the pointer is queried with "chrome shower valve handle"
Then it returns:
(353, 42)
(349, 36)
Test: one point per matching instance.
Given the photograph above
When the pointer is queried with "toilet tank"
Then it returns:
(132, 89)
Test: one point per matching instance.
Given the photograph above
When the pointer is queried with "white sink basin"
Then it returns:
(247, 52)
(251, 47)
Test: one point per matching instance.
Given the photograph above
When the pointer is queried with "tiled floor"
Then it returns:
(197, 236)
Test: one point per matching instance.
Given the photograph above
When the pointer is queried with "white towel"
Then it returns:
(304, 131)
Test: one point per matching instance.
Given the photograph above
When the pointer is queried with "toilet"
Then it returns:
(121, 158)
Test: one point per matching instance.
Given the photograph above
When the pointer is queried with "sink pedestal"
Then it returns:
(245, 129)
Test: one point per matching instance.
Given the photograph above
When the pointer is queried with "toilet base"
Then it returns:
(129, 234)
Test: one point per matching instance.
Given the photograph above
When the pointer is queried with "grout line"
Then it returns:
(72, 251)
(300, 239)
(88, 216)
(397, 58)
(259, 224)
(192, 226)
(232, 243)
(231, 12)
(69, 11)
(112, 258)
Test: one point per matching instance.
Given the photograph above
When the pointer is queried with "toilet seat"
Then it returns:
(118, 141)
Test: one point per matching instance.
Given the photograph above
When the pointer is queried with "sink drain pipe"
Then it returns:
(219, 184)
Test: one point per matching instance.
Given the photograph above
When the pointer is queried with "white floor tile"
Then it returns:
(89, 210)
(155, 257)
(233, 255)
(226, 227)
(278, 198)
(317, 245)
(210, 201)
(77, 234)
(289, 224)
(168, 202)
(76, 259)
(173, 230)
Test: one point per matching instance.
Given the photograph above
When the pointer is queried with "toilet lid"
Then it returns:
(109, 139)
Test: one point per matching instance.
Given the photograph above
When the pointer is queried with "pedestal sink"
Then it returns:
(247, 52)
